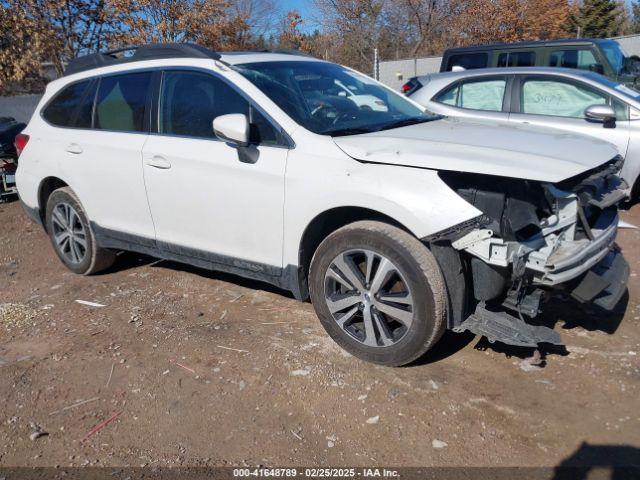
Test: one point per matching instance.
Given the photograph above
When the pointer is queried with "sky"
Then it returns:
(306, 9)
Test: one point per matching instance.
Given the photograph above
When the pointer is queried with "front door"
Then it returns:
(206, 202)
(560, 103)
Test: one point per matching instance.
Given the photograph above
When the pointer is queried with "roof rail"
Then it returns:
(284, 51)
(150, 51)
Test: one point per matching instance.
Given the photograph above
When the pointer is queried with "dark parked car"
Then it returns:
(9, 129)
(602, 56)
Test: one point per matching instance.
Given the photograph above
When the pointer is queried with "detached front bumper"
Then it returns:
(571, 258)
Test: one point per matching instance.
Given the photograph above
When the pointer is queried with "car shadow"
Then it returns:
(450, 344)
(224, 277)
(611, 462)
(556, 311)
(573, 315)
(129, 260)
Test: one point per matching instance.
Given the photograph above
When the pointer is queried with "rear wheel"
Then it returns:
(71, 235)
(378, 292)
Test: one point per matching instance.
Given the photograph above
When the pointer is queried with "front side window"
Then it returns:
(558, 98)
(122, 101)
(517, 59)
(485, 95)
(576, 58)
(468, 61)
(328, 99)
(61, 110)
(190, 101)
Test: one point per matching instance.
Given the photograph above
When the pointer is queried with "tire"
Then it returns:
(414, 289)
(63, 209)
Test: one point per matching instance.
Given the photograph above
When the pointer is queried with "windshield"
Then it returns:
(615, 55)
(331, 100)
(619, 87)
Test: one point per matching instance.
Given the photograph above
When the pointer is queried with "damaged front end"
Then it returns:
(534, 240)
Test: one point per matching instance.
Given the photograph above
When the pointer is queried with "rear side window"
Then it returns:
(190, 101)
(486, 95)
(122, 101)
(516, 59)
(582, 59)
(468, 61)
(61, 110)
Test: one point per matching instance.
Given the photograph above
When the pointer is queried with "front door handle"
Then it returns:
(159, 162)
(74, 148)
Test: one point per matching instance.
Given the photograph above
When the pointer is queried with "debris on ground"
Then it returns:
(77, 404)
(36, 431)
(533, 363)
(100, 426)
(438, 444)
(90, 304)
(373, 420)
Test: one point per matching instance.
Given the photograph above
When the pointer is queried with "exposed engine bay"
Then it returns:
(533, 240)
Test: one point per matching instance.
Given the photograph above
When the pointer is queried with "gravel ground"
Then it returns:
(183, 367)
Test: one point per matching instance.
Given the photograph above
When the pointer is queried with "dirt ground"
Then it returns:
(206, 369)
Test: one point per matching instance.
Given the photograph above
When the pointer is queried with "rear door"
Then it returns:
(559, 103)
(484, 97)
(99, 149)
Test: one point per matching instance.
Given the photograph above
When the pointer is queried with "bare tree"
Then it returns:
(202, 21)
(67, 28)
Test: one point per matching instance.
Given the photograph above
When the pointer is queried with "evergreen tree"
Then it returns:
(597, 19)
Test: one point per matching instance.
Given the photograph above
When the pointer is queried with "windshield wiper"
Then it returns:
(341, 132)
(406, 122)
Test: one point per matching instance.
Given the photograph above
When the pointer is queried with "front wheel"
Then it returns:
(378, 292)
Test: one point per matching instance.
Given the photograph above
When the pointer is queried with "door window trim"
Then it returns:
(288, 142)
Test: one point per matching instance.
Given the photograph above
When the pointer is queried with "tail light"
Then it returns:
(411, 86)
(20, 143)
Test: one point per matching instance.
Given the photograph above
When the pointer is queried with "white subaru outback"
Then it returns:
(397, 224)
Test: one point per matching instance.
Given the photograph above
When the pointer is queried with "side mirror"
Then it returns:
(232, 128)
(602, 114)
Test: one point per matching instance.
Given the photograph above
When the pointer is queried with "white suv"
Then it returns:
(397, 224)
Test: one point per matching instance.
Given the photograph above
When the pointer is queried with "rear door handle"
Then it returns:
(74, 148)
(158, 162)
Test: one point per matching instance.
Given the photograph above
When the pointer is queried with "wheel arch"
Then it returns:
(47, 186)
(321, 226)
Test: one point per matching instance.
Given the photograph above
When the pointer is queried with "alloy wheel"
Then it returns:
(69, 233)
(368, 297)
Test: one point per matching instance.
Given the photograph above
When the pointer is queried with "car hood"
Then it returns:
(490, 148)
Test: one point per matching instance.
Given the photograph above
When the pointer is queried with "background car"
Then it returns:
(598, 55)
(577, 101)
(9, 130)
